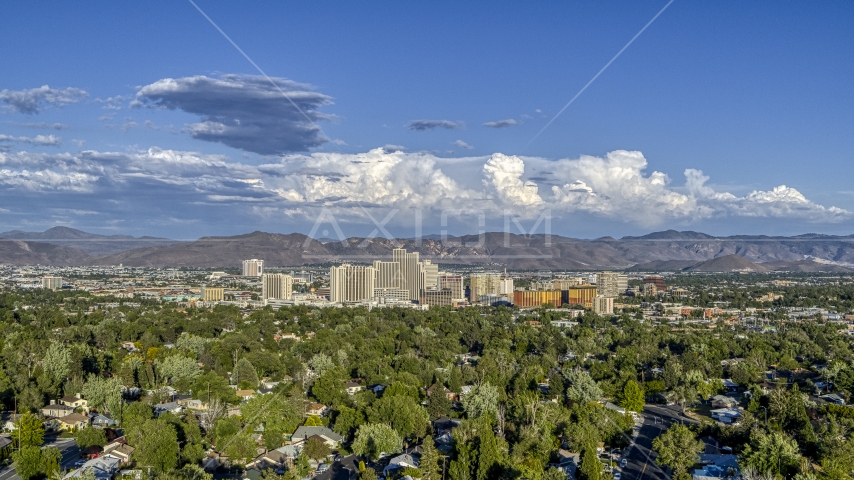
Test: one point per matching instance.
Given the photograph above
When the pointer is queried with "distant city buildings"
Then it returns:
(603, 305)
(253, 268)
(454, 283)
(276, 286)
(611, 284)
(481, 284)
(212, 294)
(351, 283)
(50, 282)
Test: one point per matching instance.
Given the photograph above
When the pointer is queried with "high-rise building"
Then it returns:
(505, 286)
(603, 305)
(566, 283)
(276, 286)
(483, 284)
(581, 295)
(441, 298)
(50, 282)
(431, 274)
(388, 274)
(412, 275)
(454, 283)
(351, 283)
(253, 268)
(212, 294)
(611, 284)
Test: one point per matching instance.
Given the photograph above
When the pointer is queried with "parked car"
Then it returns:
(322, 467)
(623, 462)
(616, 475)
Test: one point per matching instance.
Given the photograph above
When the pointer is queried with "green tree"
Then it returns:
(431, 461)
(103, 394)
(582, 388)
(677, 448)
(51, 465)
(157, 445)
(348, 420)
(240, 448)
(375, 438)
(29, 431)
(481, 400)
(57, 362)
(632, 398)
(591, 467)
(91, 436)
(329, 387)
(316, 448)
(179, 370)
(245, 375)
(489, 453)
(403, 413)
(438, 404)
(28, 461)
(455, 381)
(774, 452)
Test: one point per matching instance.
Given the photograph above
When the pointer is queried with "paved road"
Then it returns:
(640, 459)
(67, 447)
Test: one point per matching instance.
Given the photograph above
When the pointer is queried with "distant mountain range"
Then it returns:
(660, 251)
(90, 243)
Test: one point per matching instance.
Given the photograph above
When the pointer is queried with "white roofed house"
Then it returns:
(329, 437)
(399, 462)
(726, 415)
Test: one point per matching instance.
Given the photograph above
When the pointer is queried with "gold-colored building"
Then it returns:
(580, 295)
(537, 298)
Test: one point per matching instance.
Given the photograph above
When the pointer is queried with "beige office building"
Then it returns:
(52, 283)
(611, 284)
(253, 268)
(603, 305)
(454, 283)
(412, 275)
(276, 286)
(483, 284)
(212, 294)
(351, 283)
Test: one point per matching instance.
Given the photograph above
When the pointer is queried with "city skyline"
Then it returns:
(709, 118)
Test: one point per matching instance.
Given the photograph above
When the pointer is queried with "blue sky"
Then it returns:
(754, 96)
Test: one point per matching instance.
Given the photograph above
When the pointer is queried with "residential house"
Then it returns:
(173, 407)
(274, 459)
(354, 385)
(716, 467)
(329, 437)
(723, 401)
(74, 421)
(104, 468)
(729, 385)
(6, 446)
(448, 394)
(75, 402)
(245, 395)
(56, 410)
(398, 463)
(726, 415)
(104, 421)
(316, 409)
(9, 420)
(833, 398)
(567, 462)
(123, 452)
